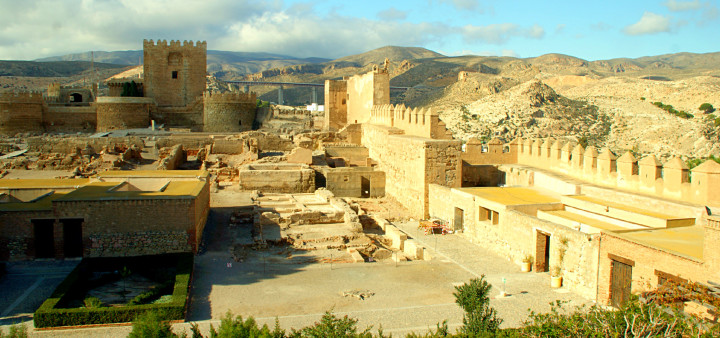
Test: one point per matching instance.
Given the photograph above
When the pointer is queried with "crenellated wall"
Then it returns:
(414, 122)
(648, 175)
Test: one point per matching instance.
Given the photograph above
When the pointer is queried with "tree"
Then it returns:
(707, 108)
(480, 319)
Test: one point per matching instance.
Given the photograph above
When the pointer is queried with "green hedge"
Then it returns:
(49, 316)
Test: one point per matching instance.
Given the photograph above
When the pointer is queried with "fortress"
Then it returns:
(172, 93)
(608, 225)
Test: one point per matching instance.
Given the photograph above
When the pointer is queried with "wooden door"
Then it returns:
(459, 216)
(621, 283)
(542, 252)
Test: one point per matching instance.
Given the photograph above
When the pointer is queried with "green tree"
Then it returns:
(150, 324)
(480, 319)
(707, 108)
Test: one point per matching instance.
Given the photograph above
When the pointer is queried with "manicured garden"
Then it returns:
(117, 290)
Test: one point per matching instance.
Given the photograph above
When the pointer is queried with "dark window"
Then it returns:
(174, 74)
(76, 97)
(240, 122)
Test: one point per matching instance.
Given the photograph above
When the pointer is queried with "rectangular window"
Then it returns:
(174, 74)
(483, 214)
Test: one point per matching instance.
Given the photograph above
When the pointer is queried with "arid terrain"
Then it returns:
(608, 103)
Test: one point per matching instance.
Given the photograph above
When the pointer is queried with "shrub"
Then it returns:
(707, 108)
(331, 326)
(479, 317)
(149, 324)
(92, 302)
(670, 109)
(636, 318)
(236, 327)
(16, 331)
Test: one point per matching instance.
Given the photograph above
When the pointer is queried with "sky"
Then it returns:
(591, 30)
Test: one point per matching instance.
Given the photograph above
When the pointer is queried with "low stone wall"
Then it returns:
(174, 159)
(277, 178)
(137, 244)
(123, 112)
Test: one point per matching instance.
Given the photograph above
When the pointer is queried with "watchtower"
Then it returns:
(175, 73)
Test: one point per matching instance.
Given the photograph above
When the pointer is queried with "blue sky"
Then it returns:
(589, 30)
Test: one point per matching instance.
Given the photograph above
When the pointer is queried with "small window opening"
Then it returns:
(174, 74)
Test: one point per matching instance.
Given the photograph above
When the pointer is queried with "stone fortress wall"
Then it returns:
(122, 112)
(672, 179)
(21, 112)
(228, 112)
(415, 122)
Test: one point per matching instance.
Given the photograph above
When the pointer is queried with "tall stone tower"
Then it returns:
(175, 73)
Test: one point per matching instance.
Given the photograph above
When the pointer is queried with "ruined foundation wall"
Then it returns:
(67, 145)
(280, 180)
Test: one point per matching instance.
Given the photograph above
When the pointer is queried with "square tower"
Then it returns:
(175, 73)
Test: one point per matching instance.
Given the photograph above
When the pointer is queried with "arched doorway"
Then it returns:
(76, 97)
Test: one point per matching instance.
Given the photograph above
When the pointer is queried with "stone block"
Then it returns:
(300, 155)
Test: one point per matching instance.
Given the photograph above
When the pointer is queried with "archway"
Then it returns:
(76, 97)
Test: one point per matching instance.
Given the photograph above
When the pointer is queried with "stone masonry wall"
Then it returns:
(231, 112)
(63, 119)
(411, 163)
(118, 217)
(122, 113)
(335, 105)
(137, 244)
(21, 113)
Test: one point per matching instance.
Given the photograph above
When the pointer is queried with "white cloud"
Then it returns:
(559, 28)
(392, 14)
(36, 29)
(467, 5)
(500, 33)
(678, 6)
(650, 23)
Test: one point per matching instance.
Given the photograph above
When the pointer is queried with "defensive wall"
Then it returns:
(647, 176)
(21, 113)
(123, 112)
(62, 119)
(415, 122)
(228, 112)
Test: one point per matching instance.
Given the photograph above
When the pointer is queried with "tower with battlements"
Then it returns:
(174, 72)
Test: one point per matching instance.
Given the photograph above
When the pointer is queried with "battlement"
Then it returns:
(22, 97)
(672, 179)
(217, 97)
(413, 121)
(174, 44)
